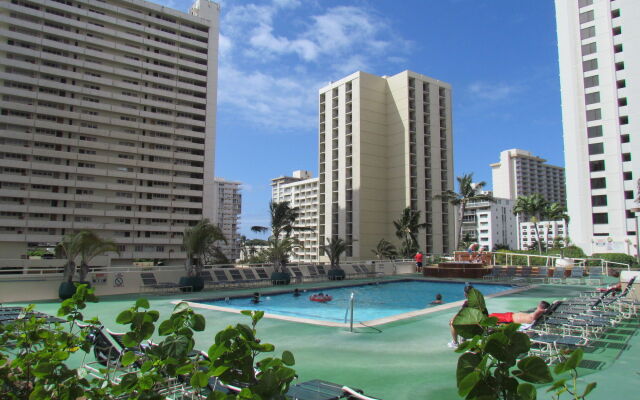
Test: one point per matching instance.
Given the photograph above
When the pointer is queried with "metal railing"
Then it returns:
(550, 260)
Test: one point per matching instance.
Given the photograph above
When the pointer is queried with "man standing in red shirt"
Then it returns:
(418, 259)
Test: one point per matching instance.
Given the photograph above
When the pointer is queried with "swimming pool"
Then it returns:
(372, 301)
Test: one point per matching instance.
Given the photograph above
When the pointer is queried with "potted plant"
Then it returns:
(281, 244)
(334, 249)
(197, 241)
(86, 245)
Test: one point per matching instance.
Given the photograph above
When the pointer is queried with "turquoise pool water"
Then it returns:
(372, 301)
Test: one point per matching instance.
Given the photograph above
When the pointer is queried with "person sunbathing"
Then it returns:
(520, 317)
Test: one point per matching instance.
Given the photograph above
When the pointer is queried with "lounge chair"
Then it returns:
(149, 282)
(208, 279)
(596, 276)
(297, 274)
(221, 277)
(319, 389)
(313, 273)
(558, 275)
(493, 274)
(250, 277)
(237, 277)
(577, 274)
(322, 274)
(542, 275)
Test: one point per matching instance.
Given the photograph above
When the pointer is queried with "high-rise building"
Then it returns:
(552, 233)
(108, 123)
(385, 145)
(491, 224)
(520, 173)
(599, 54)
(228, 206)
(300, 190)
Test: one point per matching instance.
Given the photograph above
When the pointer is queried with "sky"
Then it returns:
(500, 56)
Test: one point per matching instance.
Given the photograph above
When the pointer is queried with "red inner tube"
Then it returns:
(320, 298)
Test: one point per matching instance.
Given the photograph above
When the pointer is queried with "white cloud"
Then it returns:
(273, 55)
(494, 91)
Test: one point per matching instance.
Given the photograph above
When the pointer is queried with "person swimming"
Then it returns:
(438, 299)
(256, 298)
(296, 292)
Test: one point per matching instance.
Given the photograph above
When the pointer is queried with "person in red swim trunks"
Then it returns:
(519, 317)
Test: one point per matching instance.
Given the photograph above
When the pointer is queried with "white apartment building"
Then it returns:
(301, 190)
(228, 206)
(520, 173)
(108, 123)
(599, 54)
(550, 232)
(491, 223)
(385, 144)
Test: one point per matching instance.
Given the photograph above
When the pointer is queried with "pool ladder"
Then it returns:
(352, 301)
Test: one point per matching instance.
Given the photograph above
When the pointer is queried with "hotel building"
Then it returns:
(228, 206)
(108, 123)
(491, 223)
(520, 173)
(301, 190)
(385, 144)
(599, 53)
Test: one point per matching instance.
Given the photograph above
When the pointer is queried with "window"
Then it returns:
(599, 201)
(597, 165)
(586, 33)
(628, 194)
(627, 176)
(590, 65)
(616, 30)
(617, 48)
(615, 13)
(586, 16)
(594, 131)
(589, 48)
(621, 83)
(594, 115)
(600, 218)
(626, 157)
(591, 98)
(584, 3)
(624, 139)
(598, 183)
(624, 120)
(620, 66)
(622, 102)
(630, 214)
(591, 81)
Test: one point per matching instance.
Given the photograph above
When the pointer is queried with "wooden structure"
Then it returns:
(456, 269)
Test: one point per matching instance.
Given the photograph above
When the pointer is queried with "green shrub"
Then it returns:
(616, 257)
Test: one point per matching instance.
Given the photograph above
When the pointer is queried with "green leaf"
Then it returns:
(468, 383)
(147, 329)
(43, 369)
(184, 369)
(475, 300)
(496, 345)
(287, 358)
(181, 307)
(246, 332)
(246, 312)
(589, 388)
(467, 363)
(152, 316)
(129, 340)
(557, 384)
(176, 346)
(199, 379)
(527, 391)
(124, 317)
(216, 350)
(142, 303)
(165, 328)
(129, 380)
(467, 322)
(129, 358)
(519, 342)
(219, 370)
(146, 382)
(574, 359)
(533, 369)
(198, 322)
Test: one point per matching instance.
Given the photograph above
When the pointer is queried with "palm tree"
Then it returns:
(385, 249)
(334, 249)
(467, 192)
(197, 241)
(533, 207)
(283, 219)
(554, 212)
(69, 248)
(91, 246)
(407, 229)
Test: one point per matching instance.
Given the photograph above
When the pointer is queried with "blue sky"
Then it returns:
(500, 56)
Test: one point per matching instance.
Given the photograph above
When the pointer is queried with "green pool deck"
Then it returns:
(406, 359)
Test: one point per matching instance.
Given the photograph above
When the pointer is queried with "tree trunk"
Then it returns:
(535, 226)
(463, 206)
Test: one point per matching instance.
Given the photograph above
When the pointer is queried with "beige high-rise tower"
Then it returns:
(108, 123)
(385, 144)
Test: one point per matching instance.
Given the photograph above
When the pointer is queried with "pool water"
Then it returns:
(372, 301)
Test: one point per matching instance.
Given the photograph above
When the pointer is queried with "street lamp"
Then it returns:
(637, 211)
